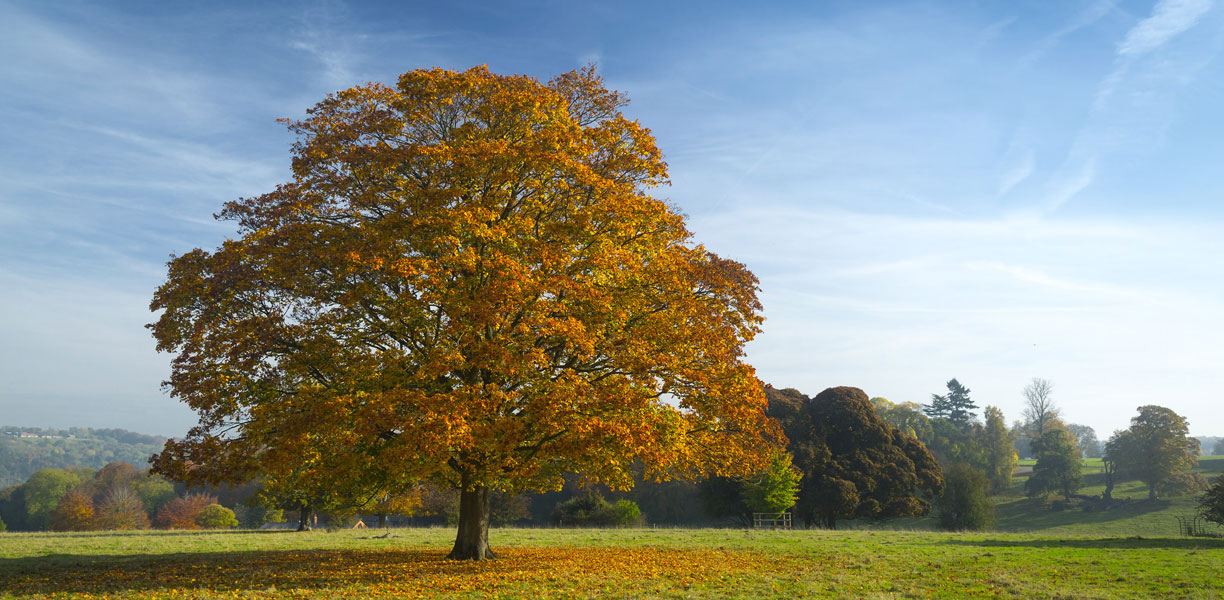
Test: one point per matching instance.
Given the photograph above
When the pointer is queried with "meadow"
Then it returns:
(1016, 513)
(627, 563)
(1129, 552)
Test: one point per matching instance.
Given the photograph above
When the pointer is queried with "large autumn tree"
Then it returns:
(466, 281)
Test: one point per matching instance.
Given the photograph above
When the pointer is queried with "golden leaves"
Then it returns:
(522, 572)
(466, 272)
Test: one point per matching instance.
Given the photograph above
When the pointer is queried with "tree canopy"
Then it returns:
(466, 281)
(853, 463)
(1058, 464)
(1155, 448)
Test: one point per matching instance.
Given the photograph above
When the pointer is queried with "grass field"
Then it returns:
(1129, 552)
(1018, 514)
(641, 563)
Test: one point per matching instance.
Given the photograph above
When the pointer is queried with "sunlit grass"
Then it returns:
(633, 563)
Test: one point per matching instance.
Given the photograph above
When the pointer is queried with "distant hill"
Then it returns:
(24, 450)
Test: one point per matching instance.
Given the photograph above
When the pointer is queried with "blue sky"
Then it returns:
(986, 191)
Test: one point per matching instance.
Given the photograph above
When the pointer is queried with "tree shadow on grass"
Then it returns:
(1026, 515)
(252, 570)
(1178, 543)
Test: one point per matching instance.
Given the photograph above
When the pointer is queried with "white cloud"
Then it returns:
(1169, 18)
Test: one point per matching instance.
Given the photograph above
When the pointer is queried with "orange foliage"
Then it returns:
(75, 512)
(182, 512)
(466, 281)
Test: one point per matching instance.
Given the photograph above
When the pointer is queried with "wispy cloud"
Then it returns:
(1169, 18)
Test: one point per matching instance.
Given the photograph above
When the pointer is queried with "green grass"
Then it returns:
(633, 563)
(1016, 513)
(1132, 551)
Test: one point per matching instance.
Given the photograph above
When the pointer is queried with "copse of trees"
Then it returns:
(1157, 449)
(116, 497)
(854, 465)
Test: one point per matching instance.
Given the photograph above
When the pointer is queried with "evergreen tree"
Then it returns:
(955, 406)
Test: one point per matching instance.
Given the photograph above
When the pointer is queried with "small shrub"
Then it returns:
(592, 510)
(3, 527)
(215, 516)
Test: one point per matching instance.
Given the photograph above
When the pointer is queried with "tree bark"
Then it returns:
(304, 519)
(472, 539)
(382, 520)
(1152, 491)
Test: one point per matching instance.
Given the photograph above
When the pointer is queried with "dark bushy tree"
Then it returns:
(592, 510)
(964, 505)
(1157, 446)
(955, 406)
(1211, 504)
(12, 507)
(854, 465)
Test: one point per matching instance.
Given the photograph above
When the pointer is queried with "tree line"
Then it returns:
(848, 457)
(25, 450)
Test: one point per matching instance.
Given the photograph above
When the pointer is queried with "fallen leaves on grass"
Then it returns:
(519, 572)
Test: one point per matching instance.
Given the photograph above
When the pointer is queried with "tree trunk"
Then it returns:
(1152, 491)
(382, 520)
(472, 540)
(304, 519)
